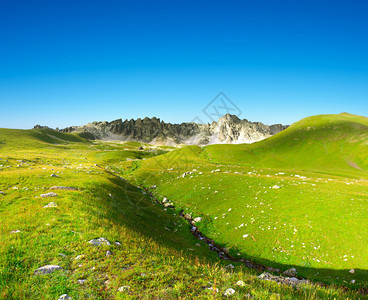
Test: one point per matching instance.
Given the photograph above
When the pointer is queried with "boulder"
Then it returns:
(51, 204)
(48, 195)
(99, 242)
(290, 272)
(229, 292)
(48, 269)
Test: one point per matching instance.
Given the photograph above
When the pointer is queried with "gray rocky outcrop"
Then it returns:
(228, 129)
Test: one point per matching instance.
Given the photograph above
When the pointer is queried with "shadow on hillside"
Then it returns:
(129, 207)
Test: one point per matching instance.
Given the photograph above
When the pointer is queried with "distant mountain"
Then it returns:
(228, 129)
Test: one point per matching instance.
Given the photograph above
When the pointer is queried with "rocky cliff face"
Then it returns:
(228, 129)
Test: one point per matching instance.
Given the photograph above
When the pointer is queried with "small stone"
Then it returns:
(198, 245)
(165, 200)
(240, 283)
(53, 175)
(352, 271)
(99, 242)
(118, 243)
(48, 269)
(276, 187)
(62, 254)
(229, 292)
(230, 266)
(290, 272)
(108, 253)
(213, 289)
(51, 204)
(2, 193)
(65, 297)
(352, 281)
(197, 219)
(15, 231)
(294, 280)
(188, 216)
(79, 257)
(82, 281)
(48, 195)
(124, 288)
(67, 188)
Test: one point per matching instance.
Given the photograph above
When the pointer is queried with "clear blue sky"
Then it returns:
(71, 62)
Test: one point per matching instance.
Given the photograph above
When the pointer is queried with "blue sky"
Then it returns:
(68, 63)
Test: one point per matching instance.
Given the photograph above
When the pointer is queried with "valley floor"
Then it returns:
(59, 193)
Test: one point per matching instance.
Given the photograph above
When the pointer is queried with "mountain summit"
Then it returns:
(228, 129)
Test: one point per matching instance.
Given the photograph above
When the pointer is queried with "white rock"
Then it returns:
(48, 269)
(15, 231)
(124, 288)
(48, 195)
(240, 283)
(230, 266)
(108, 253)
(197, 219)
(229, 292)
(213, 289)
(65, 297)
(79, 257)
(352, 271)
(118, 243)
(276, 187)
(99, 242)
(352, 282)
(82, 281)
(51, 204)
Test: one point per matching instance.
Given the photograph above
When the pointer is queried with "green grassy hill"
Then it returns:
(299, 198)
(326, 143)
(152, 255)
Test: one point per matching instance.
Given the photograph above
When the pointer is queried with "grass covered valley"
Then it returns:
(112, 217)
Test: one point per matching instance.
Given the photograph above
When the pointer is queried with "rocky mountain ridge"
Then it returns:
(228, 129)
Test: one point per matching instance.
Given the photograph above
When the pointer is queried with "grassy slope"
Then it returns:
(317, 222)
(158, 256)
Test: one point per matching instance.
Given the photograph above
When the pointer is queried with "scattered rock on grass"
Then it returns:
(240, 283)
(67, 188)
(15, 231)
(53, 175)
(48, 195)
(108, 253)
(2, 193)
(352, 271)
(197, 219)
(48, 269)
(82, 281)
(124, 288)
(99, 242)
(280, 279)
(275, 187)
(51, 204)
(229, 292)
(65, 297)
(290, 272)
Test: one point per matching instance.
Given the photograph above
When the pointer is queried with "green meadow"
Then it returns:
(297, 199)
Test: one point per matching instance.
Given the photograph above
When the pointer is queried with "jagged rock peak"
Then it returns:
(228, 129)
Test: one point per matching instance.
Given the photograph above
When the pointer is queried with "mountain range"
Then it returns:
(229, 129)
